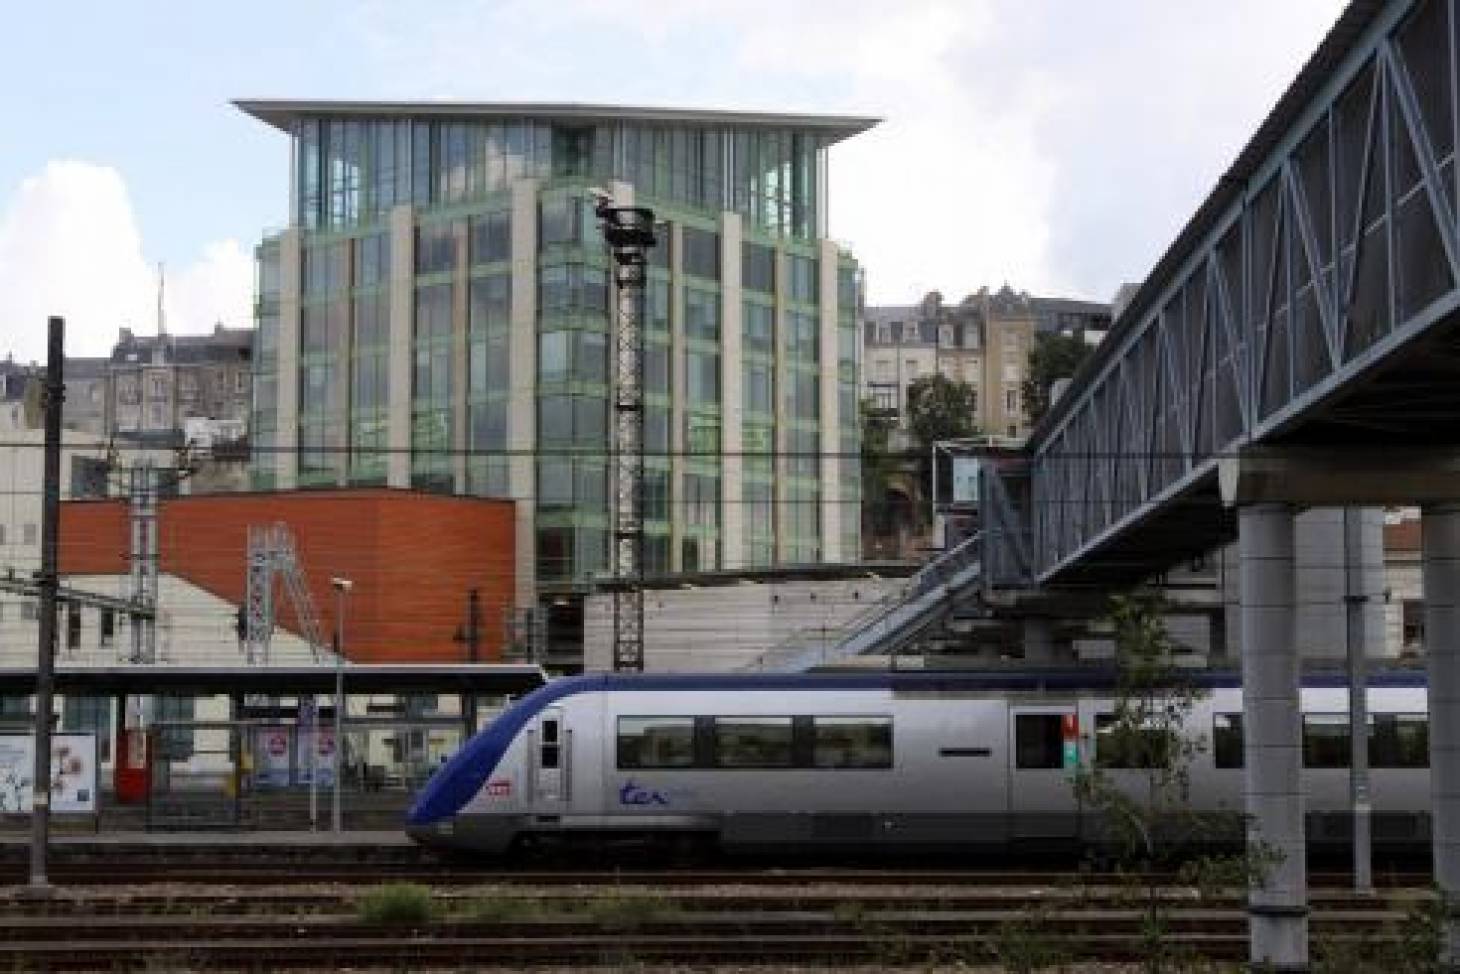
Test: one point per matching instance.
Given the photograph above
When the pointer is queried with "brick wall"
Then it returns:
(412, 557)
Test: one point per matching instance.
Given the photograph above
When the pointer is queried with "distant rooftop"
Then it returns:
(282, 113)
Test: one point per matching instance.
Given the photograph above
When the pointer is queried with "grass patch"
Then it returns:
(398, 904)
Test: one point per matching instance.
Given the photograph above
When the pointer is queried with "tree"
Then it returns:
(1138, 784)
(939, 408)
(877, 459)
(1053, 356)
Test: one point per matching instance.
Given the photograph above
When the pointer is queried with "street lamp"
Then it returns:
(342, 588)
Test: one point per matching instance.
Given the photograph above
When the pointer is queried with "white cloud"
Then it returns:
(70, 245)
(1058, 146)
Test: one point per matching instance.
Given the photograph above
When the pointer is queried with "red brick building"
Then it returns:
(413, 559)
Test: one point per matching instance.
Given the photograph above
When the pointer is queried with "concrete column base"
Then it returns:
(1273, 736)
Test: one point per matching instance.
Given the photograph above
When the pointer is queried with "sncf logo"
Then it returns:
(501, 788)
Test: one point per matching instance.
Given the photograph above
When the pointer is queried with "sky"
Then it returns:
(1054, 145)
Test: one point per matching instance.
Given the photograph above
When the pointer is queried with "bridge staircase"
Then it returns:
(998, 554)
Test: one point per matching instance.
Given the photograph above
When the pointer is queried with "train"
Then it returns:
(878, 761)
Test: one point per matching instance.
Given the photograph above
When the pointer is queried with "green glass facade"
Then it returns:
(351, 170)
(440, 316)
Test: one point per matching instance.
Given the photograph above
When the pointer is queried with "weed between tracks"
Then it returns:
(400, 904)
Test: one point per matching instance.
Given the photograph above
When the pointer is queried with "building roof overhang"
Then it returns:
(282, 113)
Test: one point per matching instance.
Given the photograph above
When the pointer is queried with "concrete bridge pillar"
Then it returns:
(1440, 543)
(1278, 905)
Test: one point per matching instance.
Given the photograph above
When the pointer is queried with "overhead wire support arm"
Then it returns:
(629, 233)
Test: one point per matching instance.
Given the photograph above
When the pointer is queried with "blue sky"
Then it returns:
(1018, 144)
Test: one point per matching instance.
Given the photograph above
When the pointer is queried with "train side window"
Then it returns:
(1123, 746)
(1038, 741)
(1227, 741)
(656, 742)
(1399, 741)
(548, 747)
(1326, 741)
(852, 742)
(753, 742)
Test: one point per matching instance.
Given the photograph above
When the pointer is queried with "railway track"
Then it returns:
(832, 917)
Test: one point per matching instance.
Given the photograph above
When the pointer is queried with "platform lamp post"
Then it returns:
(342, 588)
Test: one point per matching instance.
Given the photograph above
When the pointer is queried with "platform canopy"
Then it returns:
(484, 678)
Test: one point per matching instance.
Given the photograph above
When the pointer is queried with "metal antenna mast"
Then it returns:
(629, 233)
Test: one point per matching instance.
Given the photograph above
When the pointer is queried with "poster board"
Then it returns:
(323, 768)
(271, 747)
(966, 473)
(73, 773)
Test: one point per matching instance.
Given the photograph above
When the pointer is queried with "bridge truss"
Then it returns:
(1311, 299)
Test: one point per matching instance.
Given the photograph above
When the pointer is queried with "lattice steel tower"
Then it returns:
(629, 233)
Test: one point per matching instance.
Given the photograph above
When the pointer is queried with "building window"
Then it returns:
(158, 386)
(1123, 746)
(702, 314)
(701, 254)
(883, 333)
(175, 743)
(90, 715)
(1413, 612)
(491, 238)
(656, 742)
(1038, 741)
(852, 742)
(884, 398)
(802, 283)
(757, 268)
(753, 742)
(758, 329)
(1399, 741)
(1227, 740)
(28, 533)
(1011, 399)
(435, 248)
(1326, 741)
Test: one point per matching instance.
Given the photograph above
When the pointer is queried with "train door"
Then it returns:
(1045, 752)
(549, 758)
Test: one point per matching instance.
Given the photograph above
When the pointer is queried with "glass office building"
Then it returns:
(439, 314)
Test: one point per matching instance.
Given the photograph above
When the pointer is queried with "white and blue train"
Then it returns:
(886, 760)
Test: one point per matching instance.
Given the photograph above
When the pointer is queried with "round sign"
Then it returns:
(326, 745)
(278, 745)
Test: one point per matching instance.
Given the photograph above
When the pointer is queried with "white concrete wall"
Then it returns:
(194, 628)
(402, 313)
(291, 284)
(831, 522)
(727, 627)
(522, 401)
(732, 373)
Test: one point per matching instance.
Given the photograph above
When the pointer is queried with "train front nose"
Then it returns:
(439, 833)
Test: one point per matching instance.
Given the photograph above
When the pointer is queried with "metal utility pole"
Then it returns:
(48, 582)
(342, 588)
(471, 635)
(629, 233)
(142, 491)
(1355, 600)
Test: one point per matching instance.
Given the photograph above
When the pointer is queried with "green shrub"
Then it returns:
(396, 903)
